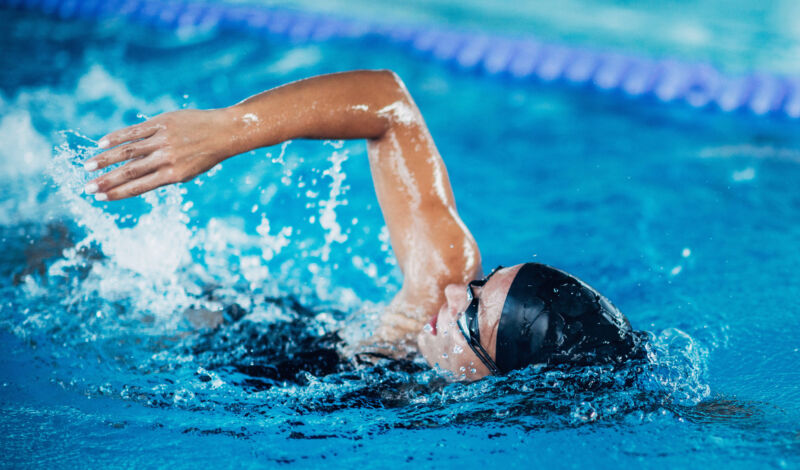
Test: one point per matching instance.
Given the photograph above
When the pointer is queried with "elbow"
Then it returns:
(392, 82)
(390, 75)
(397, 107)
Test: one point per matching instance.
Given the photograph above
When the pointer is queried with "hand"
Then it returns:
(170, 148)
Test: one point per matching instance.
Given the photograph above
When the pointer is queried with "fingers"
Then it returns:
(124, 174)
(136, 187)
(121, 153)
(127, 134)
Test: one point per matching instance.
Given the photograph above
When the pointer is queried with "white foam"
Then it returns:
(143, 262)
(24, 151)
(159, 263)
(24, 156)
(272, 245)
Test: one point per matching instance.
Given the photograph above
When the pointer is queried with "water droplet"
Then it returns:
(427, 328)
(444, 355)
(473, 371)
(457, 349)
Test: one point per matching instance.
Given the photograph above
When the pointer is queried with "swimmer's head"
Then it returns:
(522, 315)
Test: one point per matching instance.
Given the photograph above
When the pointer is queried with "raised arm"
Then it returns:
(432, 245)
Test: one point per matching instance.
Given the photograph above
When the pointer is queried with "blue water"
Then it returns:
(687, 219)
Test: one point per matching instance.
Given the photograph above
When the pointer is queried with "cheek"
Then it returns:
(449, 353)
(428, 346)
(461, 360)
(446, 325)
(436, 349)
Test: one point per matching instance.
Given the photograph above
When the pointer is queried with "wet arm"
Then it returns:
(177, 146)
(432, 245)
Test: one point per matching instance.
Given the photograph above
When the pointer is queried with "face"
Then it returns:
(442, 343)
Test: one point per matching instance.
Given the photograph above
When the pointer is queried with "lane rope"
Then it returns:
(695, 84)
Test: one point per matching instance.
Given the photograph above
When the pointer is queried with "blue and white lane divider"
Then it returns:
(698, 85)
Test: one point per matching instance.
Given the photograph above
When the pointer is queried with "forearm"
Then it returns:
(177, 146)
(350, 105)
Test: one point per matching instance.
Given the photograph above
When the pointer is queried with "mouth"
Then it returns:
(433, 324)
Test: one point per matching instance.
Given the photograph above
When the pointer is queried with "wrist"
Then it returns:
(233, 133)
(248, 128)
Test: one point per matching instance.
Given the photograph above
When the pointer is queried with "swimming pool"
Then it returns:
(687, 219)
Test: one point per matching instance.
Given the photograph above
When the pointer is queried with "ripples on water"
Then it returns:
(122, 298)
(169, 303)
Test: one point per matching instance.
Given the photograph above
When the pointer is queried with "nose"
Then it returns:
(456, 296)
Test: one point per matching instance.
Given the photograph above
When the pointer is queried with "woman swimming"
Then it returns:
(517, 316)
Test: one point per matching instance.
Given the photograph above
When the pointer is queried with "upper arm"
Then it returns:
(432, 245)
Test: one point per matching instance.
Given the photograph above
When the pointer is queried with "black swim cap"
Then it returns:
(550, 318)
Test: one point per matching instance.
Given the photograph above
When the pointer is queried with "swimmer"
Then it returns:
(459, 320)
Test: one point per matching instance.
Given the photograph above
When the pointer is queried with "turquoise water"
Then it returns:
(687, 219)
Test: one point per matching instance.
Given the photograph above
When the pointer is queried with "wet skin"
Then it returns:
(445, 347)
(435, 251)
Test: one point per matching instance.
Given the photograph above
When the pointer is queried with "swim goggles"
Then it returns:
(468, 324)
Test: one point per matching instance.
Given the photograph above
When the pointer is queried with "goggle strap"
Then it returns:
(476, 347)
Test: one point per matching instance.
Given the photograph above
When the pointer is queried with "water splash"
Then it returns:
(327, 213)
(134, 274)
(23, 157)
(147, 255)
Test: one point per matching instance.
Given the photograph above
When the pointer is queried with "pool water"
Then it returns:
(687, 219)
